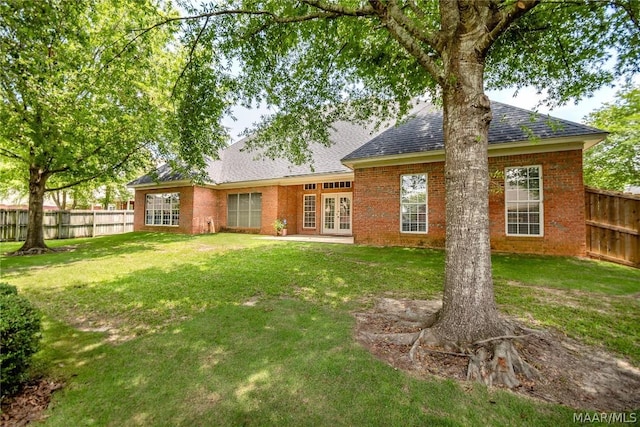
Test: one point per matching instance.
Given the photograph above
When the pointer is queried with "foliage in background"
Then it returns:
(85, 96)
(615, 163)
(19, 338)
(314, 62)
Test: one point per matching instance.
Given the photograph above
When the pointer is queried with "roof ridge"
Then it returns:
(559, 119)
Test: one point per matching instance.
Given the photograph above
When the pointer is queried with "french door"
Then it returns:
(336, 213)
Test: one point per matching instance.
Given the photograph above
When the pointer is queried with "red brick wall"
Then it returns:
(563, 204)
(270, 200)
(377, 205)
(197, 208)
(205, 218)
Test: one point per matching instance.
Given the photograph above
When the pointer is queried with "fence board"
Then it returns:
(613, 226)
(66, 224)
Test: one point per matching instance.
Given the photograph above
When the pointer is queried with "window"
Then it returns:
(309, 211)
(338, 184)
(309, 186)
(244, 210)
(523, 201)
(162, 209)
(413, 203)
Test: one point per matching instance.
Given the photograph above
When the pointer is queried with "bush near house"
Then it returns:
(19, 338)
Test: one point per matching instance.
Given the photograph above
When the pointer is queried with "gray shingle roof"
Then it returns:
(163, 174)
(423, 131)
(238, 165)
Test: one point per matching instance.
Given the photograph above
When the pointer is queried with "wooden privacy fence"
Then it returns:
(613, 226)
(66, 224)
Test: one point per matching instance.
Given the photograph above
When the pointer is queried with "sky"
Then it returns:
(527, 98)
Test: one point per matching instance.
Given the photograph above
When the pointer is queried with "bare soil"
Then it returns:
(572, 374)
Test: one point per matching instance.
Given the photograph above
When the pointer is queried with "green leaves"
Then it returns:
(615, 162)
(300, 57)
(84, 90)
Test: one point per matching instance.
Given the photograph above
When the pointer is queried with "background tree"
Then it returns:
(317, 61)
(83, 96)
(615, 163)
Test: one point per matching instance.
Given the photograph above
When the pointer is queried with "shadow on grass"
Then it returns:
(567, 273)
(279, 362)
(74, 250)
(148, 299)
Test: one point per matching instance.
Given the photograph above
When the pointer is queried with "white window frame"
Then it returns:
(310, 212)
(523, 196)
(426, 204)
(249, 212)
(336, 185)
(157, 207)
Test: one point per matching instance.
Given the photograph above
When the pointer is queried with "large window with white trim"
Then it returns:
(244, 210)
(523, 201)
(162, 209)
(309, 210)
(413, 203)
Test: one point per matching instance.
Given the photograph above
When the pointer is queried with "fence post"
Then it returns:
(93, 228)
(17, 212)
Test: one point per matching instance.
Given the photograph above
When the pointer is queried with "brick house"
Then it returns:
(388, 189)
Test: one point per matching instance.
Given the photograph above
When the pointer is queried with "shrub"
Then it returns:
(19, 338)
(7, 289)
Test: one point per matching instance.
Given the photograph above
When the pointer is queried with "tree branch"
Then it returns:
(116, 166)
(503, 19)
(406, 40)
(12, 155)
(340, 10)
(410, 26)
(630, 12)
(190, 56)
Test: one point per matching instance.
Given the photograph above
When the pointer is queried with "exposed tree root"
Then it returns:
(492, 361)
(542, 364)
(32, 251)
(40, 251)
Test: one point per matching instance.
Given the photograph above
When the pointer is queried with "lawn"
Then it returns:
(230, 329)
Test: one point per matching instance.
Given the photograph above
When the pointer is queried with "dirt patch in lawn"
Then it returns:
(29, 404)
(572, 374)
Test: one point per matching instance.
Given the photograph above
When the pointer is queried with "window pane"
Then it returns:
(244, 210)
(523, 196)
(413, 203)
(309, 211)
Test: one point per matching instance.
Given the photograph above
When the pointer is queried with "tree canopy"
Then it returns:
(367, 60)
(615, 163)
(85, 95)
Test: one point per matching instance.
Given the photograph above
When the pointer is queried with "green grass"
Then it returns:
(154, 329)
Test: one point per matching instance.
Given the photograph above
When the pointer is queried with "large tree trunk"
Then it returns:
(469, 311)
(35, 233)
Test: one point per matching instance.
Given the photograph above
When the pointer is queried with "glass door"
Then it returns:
(336, 213)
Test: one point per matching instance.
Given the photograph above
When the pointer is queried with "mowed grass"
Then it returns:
(229, 329)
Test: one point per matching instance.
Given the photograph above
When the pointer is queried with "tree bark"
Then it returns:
(35, 232)
(469, 311)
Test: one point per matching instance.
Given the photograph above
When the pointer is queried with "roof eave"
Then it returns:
(287, 180)
(162, 184)
(495, 150)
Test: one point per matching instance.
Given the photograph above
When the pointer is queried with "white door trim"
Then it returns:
(333, 226)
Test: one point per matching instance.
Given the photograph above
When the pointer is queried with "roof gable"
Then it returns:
(237, 164)
(423, 131)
